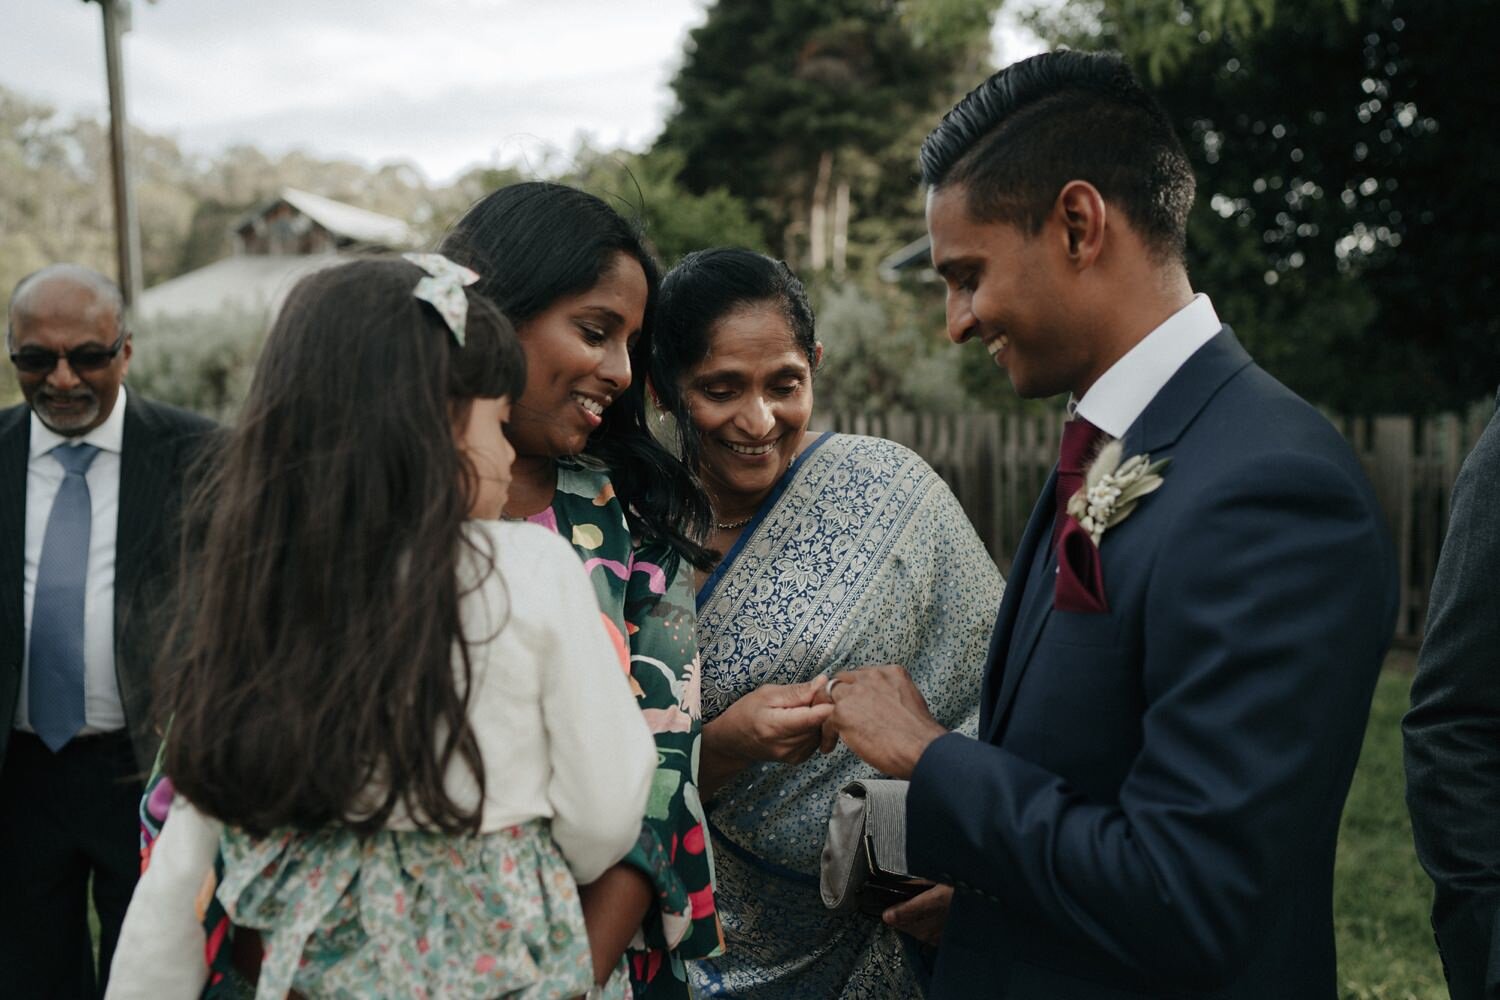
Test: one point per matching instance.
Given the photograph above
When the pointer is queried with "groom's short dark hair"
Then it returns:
(1029, 129)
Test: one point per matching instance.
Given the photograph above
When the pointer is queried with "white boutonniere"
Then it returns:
(1111, 489)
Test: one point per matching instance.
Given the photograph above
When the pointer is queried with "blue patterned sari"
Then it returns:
(860, 555)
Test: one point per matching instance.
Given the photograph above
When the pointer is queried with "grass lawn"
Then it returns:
(1381, 895)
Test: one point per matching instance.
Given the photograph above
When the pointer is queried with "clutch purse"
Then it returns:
(864, 857)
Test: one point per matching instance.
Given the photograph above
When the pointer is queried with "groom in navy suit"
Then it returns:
(1175, 701)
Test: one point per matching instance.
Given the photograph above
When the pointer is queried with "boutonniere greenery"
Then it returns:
(1112, 488)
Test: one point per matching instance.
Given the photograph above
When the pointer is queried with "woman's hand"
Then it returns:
(778, 722)
(613, 908)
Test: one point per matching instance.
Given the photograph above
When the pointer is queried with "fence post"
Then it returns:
(1393, 461)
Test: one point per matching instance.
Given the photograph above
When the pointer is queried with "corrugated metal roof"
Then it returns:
(357, 224)
(250, 283)
(917, 253)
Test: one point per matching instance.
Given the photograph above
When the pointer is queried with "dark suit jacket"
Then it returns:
(1152, 805)
(160, 443)
(1453, 732)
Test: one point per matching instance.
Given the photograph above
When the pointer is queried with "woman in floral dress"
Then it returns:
(577, 281)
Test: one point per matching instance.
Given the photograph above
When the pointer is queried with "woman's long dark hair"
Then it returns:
(538, 242)
(700, 291)
(314, 645)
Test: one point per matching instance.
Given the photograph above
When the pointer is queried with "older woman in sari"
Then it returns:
(839, 551)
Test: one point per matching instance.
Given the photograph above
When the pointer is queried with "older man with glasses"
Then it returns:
(91, 483)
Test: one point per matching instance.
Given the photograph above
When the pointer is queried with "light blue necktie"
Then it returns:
(55, 684)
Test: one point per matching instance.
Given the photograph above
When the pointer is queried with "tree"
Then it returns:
(53, 204)
(203, 362)
(676, 220)
(879, 354)
(1343, 148)
(795, 106)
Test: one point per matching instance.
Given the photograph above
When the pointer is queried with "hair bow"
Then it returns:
(443, 289)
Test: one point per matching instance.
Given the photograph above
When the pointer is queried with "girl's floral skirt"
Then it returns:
(412, 914)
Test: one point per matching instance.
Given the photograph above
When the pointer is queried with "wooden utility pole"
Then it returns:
(841, 230)
(127, 226)
(818, 218)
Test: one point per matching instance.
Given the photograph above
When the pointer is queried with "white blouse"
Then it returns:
(558, 729)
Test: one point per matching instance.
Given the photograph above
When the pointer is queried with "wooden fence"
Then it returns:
(996, 464)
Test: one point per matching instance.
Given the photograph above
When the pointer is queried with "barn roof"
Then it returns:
(356, 224)
(249, 283)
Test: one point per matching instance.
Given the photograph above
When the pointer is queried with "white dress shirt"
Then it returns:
(1123, 392)
(103, 711)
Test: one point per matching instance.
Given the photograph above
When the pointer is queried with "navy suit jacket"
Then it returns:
(1152, 805)
(156, 452)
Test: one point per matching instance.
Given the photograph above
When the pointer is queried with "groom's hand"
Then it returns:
(923, 916)
(880, 715)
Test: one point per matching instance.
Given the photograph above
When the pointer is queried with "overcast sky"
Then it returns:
(445, 84)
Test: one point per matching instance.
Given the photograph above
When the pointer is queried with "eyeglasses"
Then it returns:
(87, 358)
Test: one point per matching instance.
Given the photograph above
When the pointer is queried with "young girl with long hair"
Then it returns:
(396, 720)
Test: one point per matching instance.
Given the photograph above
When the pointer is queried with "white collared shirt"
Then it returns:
(103, 711)
(1123, 392)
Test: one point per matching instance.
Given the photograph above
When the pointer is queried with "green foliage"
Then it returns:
(677, 221)
(780, 106)
(1164, 34)
(783, 103)
(10, 389)
(56, 204)
(202, 362)
(950, 26)
(1338, 145)
(207, 236)
(1381, 896)
(877, 357)
(445, 206)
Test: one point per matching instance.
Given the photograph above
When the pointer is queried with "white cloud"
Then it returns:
(441, 83)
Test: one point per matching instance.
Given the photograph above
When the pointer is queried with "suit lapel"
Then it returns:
(1186, 393)
(15, 442)
(1036, 608)
(143, 491)
(1002, 672)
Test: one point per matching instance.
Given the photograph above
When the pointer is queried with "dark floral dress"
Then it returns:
(224, 982)
(648, 608)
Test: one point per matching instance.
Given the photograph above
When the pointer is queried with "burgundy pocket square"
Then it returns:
(1080, 572)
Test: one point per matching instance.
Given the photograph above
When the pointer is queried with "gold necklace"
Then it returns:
(732, 525)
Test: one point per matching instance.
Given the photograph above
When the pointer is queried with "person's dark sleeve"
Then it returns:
(1452, 733)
